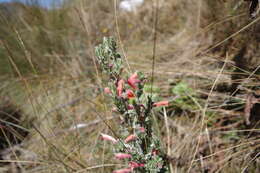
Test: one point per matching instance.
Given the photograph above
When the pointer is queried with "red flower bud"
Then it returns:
(122, 156)
(130, 138)
(142, 129)
(130, 94)
(107, 90)
(155, 152)
(134, 165)
(108, 138)
(120, 87)
(130, 107)
(161, 103)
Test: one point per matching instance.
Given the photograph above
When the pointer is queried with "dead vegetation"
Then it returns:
(214, 128)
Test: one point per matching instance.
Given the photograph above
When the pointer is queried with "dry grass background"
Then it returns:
(49, 75)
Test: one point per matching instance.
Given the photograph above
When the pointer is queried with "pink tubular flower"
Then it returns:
(108, 138)
(110, 65)
(126, 170)
(122, 156)
(120, 87)
(142, 129)
(130, 94)
(132, 81)
(134, 165)
(107, 90)
(130, 138)
(161, 103)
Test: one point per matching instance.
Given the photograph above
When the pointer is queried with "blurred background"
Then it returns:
(51, 102)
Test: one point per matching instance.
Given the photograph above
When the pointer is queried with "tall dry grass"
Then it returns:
(47, 70)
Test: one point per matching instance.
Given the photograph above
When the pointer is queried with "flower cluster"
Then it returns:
(137, 144)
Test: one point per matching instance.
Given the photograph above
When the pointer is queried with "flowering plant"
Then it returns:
(136, 141)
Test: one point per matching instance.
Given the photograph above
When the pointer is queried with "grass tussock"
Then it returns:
(47, 71)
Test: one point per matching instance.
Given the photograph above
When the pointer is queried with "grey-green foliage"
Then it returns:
(135, 111)
(108, 57)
